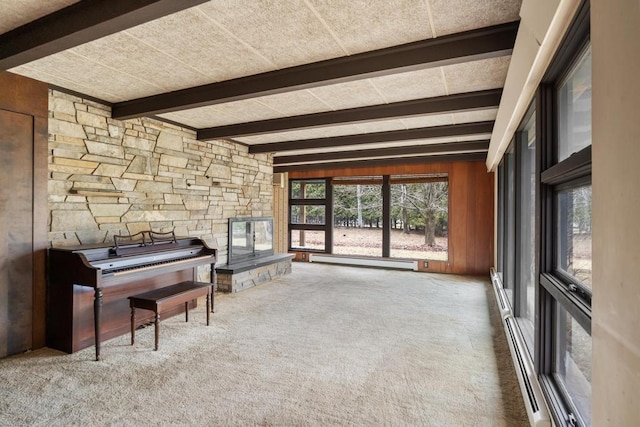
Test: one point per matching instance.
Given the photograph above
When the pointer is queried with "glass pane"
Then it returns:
(357, 220)
(573, 362)
(307, 189)
(308, 215)
(527, 224)
(574, 233)
(307, 239)
(420, 220)
(510, 230)
(241, 238)
(263, 235)
(574, 109)
(501, 224)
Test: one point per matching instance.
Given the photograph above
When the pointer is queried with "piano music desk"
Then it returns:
(167, 297)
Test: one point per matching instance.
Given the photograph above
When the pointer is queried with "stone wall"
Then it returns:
(110, 177)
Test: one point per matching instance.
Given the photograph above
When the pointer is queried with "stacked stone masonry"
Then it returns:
(109, 177)
(248, 279)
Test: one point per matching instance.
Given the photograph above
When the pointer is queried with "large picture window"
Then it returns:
(390, 216)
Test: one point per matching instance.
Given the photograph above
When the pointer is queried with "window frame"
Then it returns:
(327, 202)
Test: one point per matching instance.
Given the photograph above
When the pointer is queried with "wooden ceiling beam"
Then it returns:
(466, 157)
(418, 107)
(414, 150)
(483, 43)
(375, 137)
(80, 23)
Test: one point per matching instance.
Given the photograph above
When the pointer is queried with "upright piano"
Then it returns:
(88, 286)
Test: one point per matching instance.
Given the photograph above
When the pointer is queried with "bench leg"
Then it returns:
(133, 325)
(157, 328)
(212, 299)
(186, 311)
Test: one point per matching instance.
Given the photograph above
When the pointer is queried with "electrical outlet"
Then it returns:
(425, 264)
(304, 256)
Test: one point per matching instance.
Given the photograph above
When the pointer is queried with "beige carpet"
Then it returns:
(326, 345)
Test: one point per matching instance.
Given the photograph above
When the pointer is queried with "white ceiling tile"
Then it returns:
(428, 121)
(475, 116)
(205, 46)
(131, 57)
(411, 85)
(19, 12)
(293, 103)
(382, 126)
(41, 75)
(287, 33)
(392, 144)
(454, 16)
(294, 135)
(364, 25)
(477, 75)
(224, 114)
(82, 73)
(354, 94)
(475, 137)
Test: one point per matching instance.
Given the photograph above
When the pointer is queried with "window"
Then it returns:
(517, 227)
(574, 108)
(509, 234)
(526, 267)
(564, 357)
(309, 227)
(573, 362)
(357, 216)
(573, 222)
(399, 216)
(420, 217)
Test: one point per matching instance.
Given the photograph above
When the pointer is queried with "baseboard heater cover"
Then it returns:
(501, 296)
(534, 402)
(365, 262)
(529, 386)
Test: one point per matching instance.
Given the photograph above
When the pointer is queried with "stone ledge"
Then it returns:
(254, 263)
(252, 273)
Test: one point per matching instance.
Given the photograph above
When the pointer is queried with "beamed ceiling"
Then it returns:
(320, 83)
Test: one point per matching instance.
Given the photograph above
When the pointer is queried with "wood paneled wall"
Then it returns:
(280, 212)
(22, 321)
(471, 192)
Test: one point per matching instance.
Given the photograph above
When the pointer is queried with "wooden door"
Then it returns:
(16, 232)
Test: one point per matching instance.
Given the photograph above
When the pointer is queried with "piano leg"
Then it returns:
(97, 313)
(212, 277)
(157, 329)
(209, 293)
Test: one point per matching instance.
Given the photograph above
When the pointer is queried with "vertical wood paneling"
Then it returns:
(16, 230)
(460, 217)
(24, 104)
(280, 214)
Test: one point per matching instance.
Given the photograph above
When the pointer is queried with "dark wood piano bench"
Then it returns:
(169, 296)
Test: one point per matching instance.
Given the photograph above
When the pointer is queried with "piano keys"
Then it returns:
(89, 285)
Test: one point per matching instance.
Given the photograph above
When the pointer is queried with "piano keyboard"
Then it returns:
(151, 266)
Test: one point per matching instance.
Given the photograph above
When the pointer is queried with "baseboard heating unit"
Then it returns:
(529, 386)
(365, 262)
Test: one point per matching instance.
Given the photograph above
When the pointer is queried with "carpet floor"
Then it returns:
(325, 345)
